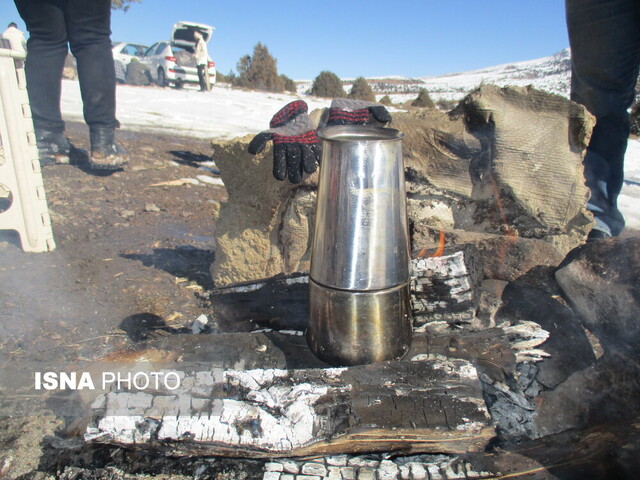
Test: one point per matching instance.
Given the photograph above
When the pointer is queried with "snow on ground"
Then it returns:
(629, 200)
(226, 113)
(223, 113)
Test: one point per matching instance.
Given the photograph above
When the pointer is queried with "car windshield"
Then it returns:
(155, 49)
(135, 50)
(161, 47)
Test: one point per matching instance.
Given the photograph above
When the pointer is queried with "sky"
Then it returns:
(410, 38)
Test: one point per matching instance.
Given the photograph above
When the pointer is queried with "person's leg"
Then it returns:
(201, 77)
(46, 53)
(89, 32)
(207, 81)
(605, 48)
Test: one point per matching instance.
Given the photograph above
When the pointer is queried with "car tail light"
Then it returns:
(170, 59)
(211, 64)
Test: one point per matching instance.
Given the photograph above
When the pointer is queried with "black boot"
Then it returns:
(106, 153)
(53, 147)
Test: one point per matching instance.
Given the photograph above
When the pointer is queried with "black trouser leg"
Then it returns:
(605, 48)
(46, 53)
(89, 33)
(202, 79)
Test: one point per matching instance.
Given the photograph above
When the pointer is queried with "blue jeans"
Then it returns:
(84, 25)
(605, 52)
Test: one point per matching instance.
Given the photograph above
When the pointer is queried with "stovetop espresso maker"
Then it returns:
(359, 309)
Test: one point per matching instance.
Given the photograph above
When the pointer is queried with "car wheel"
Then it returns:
(162, 78)
(179, 84)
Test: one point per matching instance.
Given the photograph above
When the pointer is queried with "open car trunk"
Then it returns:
(182, 34)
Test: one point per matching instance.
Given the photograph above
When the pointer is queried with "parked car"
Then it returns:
(173, 62)
(123, 53)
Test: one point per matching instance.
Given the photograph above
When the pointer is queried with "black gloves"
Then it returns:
(296, 146)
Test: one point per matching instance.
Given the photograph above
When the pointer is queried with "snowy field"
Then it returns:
(223, 113)
(226, 113)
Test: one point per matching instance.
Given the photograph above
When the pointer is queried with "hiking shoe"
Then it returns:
(53, 148)
(106, 153)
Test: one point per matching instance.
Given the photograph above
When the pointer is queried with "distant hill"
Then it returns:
(551, 74)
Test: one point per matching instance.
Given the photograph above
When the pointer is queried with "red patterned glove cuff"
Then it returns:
(308, 138)
(345, 117)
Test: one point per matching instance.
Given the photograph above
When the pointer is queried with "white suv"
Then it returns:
(173, 62)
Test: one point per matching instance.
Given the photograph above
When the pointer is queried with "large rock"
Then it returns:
(602, 284)
(265, 226)
(504, 257)
(604, 393)
(535, 297)
(502, 171)
(506, 161)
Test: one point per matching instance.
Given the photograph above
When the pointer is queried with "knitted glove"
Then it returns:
(356, 112)
(296, 146)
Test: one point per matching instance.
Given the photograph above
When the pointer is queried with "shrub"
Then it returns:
(289, 85)
(327, 84)
(230, 77)
(259, 71)
(423, 100)
(386, 100)
(362, 91)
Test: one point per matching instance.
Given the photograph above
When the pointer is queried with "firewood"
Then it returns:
(409, 406)
(446, 287)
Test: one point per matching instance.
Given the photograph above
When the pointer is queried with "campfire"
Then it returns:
(524, 340)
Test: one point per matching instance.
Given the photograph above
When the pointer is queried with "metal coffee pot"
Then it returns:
(359, 308)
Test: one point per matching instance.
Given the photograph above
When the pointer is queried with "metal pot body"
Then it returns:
(361, 239)
(347, 327)
(359, 289)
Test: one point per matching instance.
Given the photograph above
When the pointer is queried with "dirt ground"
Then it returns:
(132, 262)
(128, 253)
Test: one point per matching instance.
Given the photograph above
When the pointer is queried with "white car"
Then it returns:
(173, 62)
(123, 53)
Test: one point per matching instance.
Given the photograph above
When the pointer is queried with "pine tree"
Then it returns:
(259, 71)
(361, 90)
(289, 85)
(327, 84)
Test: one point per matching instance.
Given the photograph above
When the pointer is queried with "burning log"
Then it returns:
(445, 287)
(263, 394)
(412, 406)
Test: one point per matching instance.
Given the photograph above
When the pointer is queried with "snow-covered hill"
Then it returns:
(551, 74)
